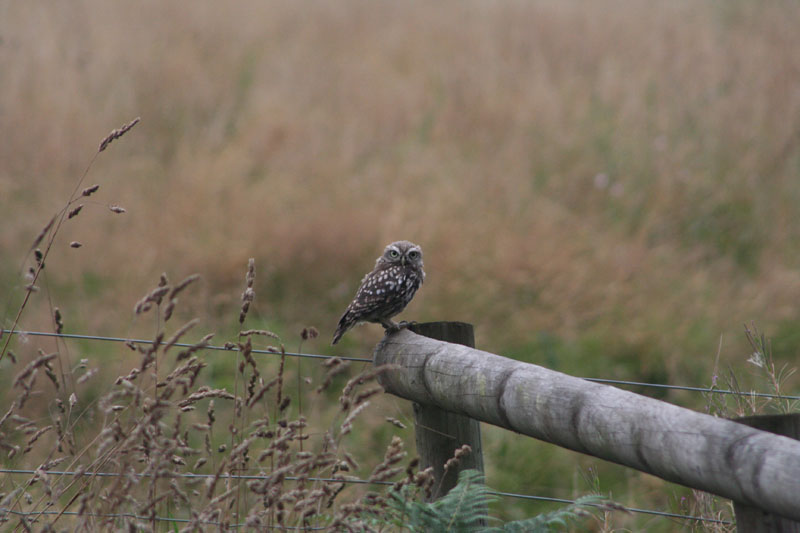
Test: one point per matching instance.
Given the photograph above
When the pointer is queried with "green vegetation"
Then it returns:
(463, 510)
(607, 189)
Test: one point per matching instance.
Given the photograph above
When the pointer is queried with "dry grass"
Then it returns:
(605, 187)
(564, 165)
(154, 453)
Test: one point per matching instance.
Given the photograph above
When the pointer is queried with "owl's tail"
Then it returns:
(345, 323)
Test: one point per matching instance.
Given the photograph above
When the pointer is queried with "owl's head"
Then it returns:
(402, 253)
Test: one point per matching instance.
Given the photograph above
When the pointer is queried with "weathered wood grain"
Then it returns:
(439, 433)
(753, 520)
(749, 466)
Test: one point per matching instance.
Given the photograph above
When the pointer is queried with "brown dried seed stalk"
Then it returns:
(182, 285)
(333, 361)
(88, 191)
(336, 366)
(87, 376)
(250, 277)
(33, 365)
(205, 392)
(156, 295)
(425, 479)
(414, 463)
(363, 395)
(350, 460)
(249, 294)
(299, 423)
(179, 493)
(309, 333)
(117, 133)
(362, 378)
(8, 414)
(463, 451)
(168, 309)
(284, 403)
(75, 211)
(58, 320)
(52, 464)
(386, 474)
(243, 312)
(191, 349)
(178, 334)
(116, 209)
(38, 434)
(395, 422)
(261, 332)
(260, 392)
(460, 453)
(42, 233)
(347, 425)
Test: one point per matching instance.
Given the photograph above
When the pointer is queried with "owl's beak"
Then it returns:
(403, 260)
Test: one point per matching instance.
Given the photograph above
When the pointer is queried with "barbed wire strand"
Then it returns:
(707, 390)
(355, 481)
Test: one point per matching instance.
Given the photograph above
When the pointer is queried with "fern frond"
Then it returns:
(544, 523)
(465, 510)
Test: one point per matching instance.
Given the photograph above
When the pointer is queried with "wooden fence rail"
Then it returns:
(749, 466)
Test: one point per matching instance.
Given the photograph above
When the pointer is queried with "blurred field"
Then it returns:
(605, 188)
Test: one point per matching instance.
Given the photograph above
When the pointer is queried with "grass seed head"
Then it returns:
(42, 233)
(309, 333)
(74, 212)
(88, 191)
(117, 133)
(58, 320)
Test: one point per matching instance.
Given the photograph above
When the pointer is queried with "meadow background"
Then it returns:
(608, 189)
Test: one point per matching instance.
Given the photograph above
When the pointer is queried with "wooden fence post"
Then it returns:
(755, 520)
(715, 455)
(440, 433)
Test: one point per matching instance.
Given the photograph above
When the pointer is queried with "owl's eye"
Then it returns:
(413, 255)
(394, 254)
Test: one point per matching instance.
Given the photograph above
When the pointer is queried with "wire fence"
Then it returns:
(251, 477)
(169, 519)
(72, 336)
(707, 390)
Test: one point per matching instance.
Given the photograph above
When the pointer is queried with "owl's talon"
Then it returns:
(395, 327)
(391, 327)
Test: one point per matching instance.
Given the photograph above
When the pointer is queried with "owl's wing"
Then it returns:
(371, 296)
(366, 305)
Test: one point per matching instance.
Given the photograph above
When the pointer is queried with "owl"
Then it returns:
(386, 290)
